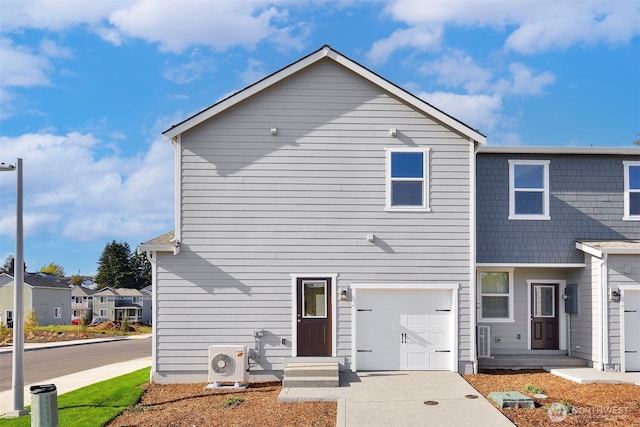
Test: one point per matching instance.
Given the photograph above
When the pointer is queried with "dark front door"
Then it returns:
(314, 317)
(544, 316)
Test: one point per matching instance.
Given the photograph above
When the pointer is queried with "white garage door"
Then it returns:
(631, 328)
(404, 329)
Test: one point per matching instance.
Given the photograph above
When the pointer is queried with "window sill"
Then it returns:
(631, 218)
(496, 320)
(407, 209)
(529, 217)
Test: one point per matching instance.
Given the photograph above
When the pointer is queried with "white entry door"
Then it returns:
(631, 328)
(404, 329)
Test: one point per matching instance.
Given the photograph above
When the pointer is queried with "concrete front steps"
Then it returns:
(531, 361)
(311, 374)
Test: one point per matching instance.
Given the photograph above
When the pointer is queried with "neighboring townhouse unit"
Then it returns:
(558, 253)
(322, 211)
(47, 296)
(81, 303)
(120, 303)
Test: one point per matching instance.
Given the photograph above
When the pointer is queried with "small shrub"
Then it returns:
(124, 326)
(30, 321)
(533, 389)
(232, 401)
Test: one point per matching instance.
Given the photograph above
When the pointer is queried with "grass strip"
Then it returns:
(95, 404)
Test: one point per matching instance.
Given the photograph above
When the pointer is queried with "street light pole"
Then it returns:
(18, 315)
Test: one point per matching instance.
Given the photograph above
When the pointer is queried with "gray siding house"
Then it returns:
(81, 303)
(558, 253)
(321, 212)
(120, 303)
(45, 295)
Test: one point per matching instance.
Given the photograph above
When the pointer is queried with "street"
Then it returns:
(49, 363)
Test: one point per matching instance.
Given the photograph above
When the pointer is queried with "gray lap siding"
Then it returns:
(257, 208)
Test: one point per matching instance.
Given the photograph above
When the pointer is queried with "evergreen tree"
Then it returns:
(114, 266)
(9, 265)
(141, 269)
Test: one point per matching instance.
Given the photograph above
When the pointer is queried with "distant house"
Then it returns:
(48, 297)
(81, 303)
(118, 303)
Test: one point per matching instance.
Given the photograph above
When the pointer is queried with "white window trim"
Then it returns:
(511, 296)
(545, 190)
(426, 184)
(57, 312)
(105, 312)
(627, 192)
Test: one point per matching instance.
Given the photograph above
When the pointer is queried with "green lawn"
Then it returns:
(96, 404)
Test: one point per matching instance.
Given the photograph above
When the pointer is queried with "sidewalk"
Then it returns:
(76, 380)
(38, 346)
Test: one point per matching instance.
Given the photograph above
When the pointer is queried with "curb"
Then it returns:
(42, 346)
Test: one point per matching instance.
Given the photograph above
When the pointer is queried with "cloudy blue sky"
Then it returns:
(87, 87)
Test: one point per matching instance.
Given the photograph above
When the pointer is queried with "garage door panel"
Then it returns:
(631, 328)
(400, 329)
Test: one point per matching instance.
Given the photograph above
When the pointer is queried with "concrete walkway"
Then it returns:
(76, 380)
(398, 399)
(591, 375)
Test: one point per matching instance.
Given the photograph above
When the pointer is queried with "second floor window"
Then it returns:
(632, 191)
(529, 189)
(407, 179)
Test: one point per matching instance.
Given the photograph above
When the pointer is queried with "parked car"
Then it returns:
(76, 321)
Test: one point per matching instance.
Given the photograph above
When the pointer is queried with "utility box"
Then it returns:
(44, 405)
(571, 299)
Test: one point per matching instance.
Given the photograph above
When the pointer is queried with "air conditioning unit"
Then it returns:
(484, 341)
(228, 364)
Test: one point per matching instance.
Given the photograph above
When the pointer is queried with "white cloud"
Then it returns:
(70, 192)
(21, 67)
(51, 49)
(55, 15)
(457, 69)
(477, 111)
(190, 71)
(422, 38)
(532, 26)
(566, 24)
(177, 25)
(254, 71)
(524, 81)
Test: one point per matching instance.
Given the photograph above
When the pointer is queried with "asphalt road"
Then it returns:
(54, 362)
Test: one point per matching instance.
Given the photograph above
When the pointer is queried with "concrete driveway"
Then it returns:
(398, 399)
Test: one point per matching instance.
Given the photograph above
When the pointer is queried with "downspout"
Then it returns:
(177, 173)
(473, 310)
(604, 270)
(154, 308)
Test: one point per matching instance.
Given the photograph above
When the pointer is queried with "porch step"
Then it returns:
(530, 361)
(311, 374)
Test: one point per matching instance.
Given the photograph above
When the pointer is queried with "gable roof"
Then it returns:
(38, 280)
(123, 292)
(326, 52)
